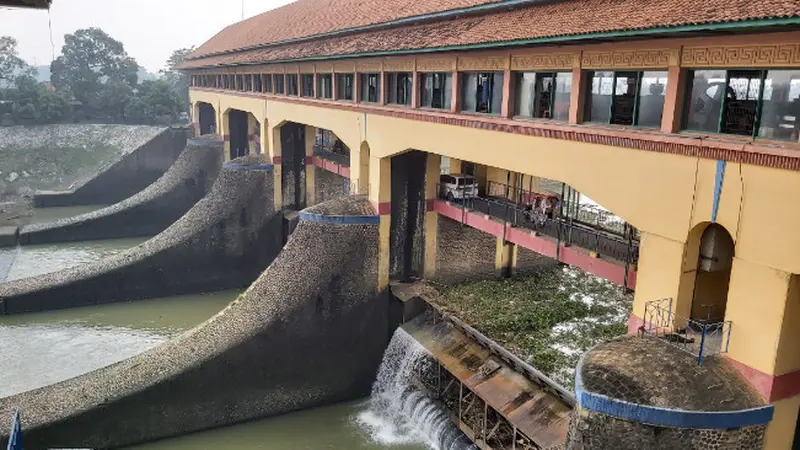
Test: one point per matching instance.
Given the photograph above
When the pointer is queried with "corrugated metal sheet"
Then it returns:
(537, 413)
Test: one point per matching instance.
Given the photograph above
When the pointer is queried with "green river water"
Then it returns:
(44, 348)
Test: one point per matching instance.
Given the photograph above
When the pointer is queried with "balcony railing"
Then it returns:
(701, 339)
(530, 210)
(327, 152)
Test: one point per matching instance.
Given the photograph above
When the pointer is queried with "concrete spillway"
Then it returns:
(309, 331)
(223, 242)
(148, 212)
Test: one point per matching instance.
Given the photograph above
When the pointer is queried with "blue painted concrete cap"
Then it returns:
(342, 220)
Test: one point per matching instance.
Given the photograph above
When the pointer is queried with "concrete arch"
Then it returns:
(347, 125)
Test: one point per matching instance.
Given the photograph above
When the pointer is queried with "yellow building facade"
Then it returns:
(670, 183)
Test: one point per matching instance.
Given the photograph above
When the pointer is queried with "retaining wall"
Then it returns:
(223, 242)
(310, 331)
(148, 212)
(465, 254)
(134, 172)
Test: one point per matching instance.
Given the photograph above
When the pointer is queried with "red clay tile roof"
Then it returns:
(305, 18)
(563, 18)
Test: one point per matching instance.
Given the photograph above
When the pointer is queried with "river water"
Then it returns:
(44, 348)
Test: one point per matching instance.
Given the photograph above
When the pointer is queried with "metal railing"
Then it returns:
(698, 337)
(547, 221)
(327, 152)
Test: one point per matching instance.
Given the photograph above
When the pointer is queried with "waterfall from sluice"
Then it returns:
(399, 413)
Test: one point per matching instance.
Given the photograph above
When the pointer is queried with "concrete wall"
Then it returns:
(310, 331)
(148, 212)
(464, 253)
(135, 171)
(329, 185)
(223, 242)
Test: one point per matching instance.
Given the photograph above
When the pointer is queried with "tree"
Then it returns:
(179, 81)
(10, 63)
(155, 101)
(90, 59)
(35, 103)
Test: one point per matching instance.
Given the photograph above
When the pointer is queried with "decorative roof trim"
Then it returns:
(713, 26)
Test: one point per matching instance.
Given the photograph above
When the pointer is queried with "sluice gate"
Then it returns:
(497, 400)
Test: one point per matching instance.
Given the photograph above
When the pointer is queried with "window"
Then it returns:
(370, 86)
(307, 89)
(291, 84)
(344, 86)
(258, 83)
(280, 81)
(482, 92)
(240, 82)
(400, 89)
(228, 81)
(248, 83)
(626, 98)
(435, 90)
(543, 95)
(324, 85)
(268, 82)
(756, 103)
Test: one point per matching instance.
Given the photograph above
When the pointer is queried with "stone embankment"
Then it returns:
(223, 242)
(150, 211)
(309, 331)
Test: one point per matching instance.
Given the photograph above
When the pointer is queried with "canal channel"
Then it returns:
(45, 348)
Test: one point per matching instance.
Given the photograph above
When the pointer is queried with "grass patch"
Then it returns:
(548, 320)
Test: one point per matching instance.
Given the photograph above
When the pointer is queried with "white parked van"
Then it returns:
(458, 186)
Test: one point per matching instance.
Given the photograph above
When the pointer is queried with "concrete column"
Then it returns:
(780, 431)
(431, 217)
(455, 165)
(356, 87)
(384, 88)
(658, 276)
(274, 137)
(380, 194)
(195, 108)
(226, 134)
(415, 89)
(252, 145)
(673, 103)
(265, 140)
(311, 172)
(455, 95)
(578, 95)
(504, 258)
(334, 87)
(507, 108)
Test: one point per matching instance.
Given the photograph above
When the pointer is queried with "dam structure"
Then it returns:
(369, 152)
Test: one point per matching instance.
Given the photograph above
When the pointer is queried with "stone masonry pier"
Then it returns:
(223, 242)
(150, 211)
(310, 331)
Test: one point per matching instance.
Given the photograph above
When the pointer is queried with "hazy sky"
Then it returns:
(149, 29)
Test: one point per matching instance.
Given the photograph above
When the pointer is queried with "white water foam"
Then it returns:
(398, 413)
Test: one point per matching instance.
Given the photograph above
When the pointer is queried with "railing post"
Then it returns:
(728, 339)
(702, 345)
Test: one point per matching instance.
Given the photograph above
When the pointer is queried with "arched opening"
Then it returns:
(207, 118)
(238, 124)
(706, 275)
(363, 169)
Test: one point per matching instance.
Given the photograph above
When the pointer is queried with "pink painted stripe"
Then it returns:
(543, 246)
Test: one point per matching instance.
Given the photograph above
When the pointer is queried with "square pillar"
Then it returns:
(226, 135)
(380, 195)
(658, 277)
(431, 217)
(274, 137)
(384, 88)
(578, 95)
(334, 87)
(311, 172)
(504, 258)
(415, 89)
(455, 95)
(356, 87)
(264, 141)
(507, 108)
(252, 137)
(674, 101)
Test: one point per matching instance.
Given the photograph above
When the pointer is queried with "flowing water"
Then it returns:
(44, 348)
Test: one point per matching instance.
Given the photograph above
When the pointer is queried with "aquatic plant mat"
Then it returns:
(547, 320)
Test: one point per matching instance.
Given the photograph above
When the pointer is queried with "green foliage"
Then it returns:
(179, 81)
(10, 62)
(91, 59)
(548, 320)
(154, 101)
(34, 103)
